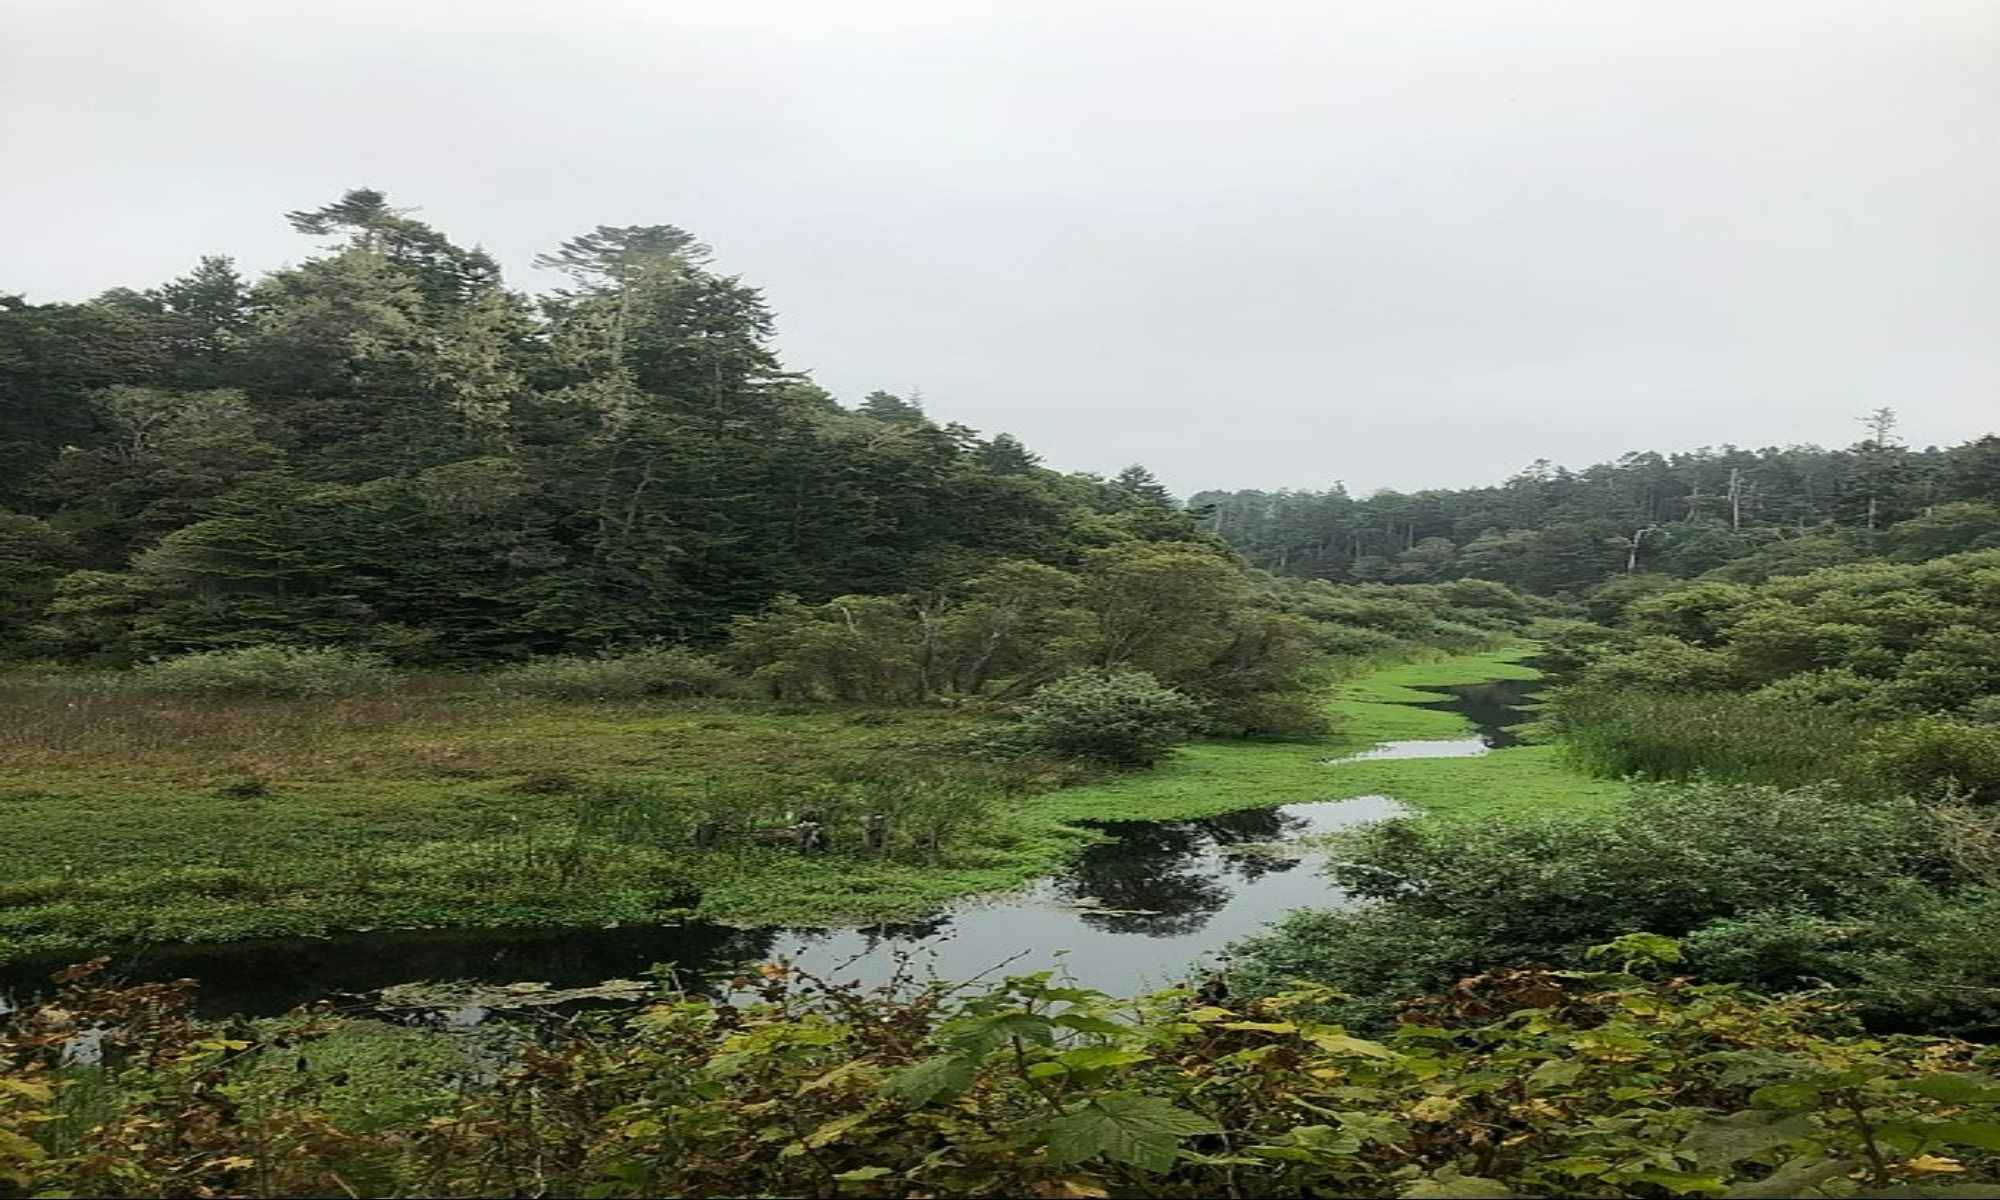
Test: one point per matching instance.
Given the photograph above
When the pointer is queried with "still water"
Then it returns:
(1153, 902)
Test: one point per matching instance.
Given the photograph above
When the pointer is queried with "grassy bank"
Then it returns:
(1379, 705)
(146, 820)
(1521, 779)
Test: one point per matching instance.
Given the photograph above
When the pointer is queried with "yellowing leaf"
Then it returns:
(1340, 1043)
(832, 1130)
(40, 1093)
(1262, 1026)
(1931, 1164)
(1435, 1108)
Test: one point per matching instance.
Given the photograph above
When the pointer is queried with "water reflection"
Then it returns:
(1131, 912)
(1492, 707)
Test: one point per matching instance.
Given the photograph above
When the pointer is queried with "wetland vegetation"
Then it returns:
(416, 664)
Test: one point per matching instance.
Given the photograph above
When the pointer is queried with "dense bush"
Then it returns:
(1299, 714)
(289, 671)
(1123, 717)
(1910, 958)
(1607, 601)
(1354, 642)
(1568, 643)
(653, 671)
(1925, 637)
(1516, 1083)
(1934, 757)
(1675, 860)
(1659, 663)
(1675, 857)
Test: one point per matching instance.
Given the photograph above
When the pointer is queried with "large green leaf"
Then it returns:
(1956, 1088)
(945, 1075)
(1729, 1140)
(1127, 1127)
(985, 1034)
(1334, 1041)
(1799, 1177)
(1097, 1058)
(1983, 1134)
(1448, 1184)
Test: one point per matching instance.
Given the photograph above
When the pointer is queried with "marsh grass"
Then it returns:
(128, 818)
(439, 803)
(1624, 733)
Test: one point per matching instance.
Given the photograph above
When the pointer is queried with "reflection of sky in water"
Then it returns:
(1131, 912)
(1455, 748)
(1134, 913)
(1491, 707)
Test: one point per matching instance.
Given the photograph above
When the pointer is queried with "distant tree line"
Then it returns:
(384, 446)
(1552, 530)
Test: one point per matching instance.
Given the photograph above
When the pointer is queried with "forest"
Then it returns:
(464, 742)
(1747, 514)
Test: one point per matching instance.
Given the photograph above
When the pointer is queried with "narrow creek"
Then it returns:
(1134, 911)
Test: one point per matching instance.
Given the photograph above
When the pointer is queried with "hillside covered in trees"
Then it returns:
(1746, 514)
(384, 445)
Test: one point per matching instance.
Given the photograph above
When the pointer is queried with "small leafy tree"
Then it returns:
(1123, 717)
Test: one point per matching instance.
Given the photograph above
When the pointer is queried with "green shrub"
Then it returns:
(1663, 662)
(1375, 954)
(1124, 717)
(1853, 696)
(1568, 644)
(1606, 602)
(1449, 897)
(673, 671)
(1983, 711)
(1912, 959)
(1935, 756)
(1299, 715)
(1482, 593)
(1352, 641)
(1673, 858)
(286, 671)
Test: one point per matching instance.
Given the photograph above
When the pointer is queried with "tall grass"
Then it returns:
(288, 671)
(652, 671)
(1680, 735)
(922, 815)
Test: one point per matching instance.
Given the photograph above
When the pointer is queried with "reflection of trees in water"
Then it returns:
(1169, 872)
(857, 955)
(1255, 827)
(1491, 707)
(1155, 867)
(264, 978)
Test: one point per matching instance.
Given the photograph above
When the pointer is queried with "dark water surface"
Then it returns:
(1490, 706)
(1137, 910)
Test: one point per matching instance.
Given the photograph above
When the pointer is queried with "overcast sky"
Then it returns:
(1392, 242)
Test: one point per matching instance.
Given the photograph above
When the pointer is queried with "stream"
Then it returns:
(1138, 910)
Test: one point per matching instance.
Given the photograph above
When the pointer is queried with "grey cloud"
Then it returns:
(1268, 244)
